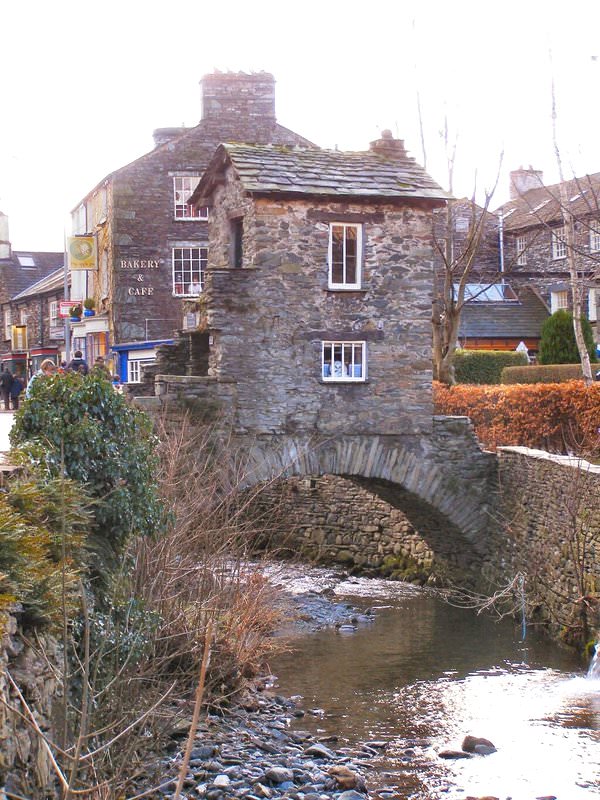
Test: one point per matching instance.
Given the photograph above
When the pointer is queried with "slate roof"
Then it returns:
(301, 171)
(518, 319)
(543, 207)
(14, 277)
(51, 283)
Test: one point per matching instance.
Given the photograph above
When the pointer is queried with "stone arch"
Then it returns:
(384, 458)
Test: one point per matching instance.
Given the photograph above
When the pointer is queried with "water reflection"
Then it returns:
(425, 675)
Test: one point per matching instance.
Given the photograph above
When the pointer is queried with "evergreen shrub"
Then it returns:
(547, 373)
(484, 366)
(557, 343)
(108, 448)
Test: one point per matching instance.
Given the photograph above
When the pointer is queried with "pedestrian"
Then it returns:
(78, 363)
(47, 369)
(100, 366)
(18, 384)
(6, 380)
(117, 385)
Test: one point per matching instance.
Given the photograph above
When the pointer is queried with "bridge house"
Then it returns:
(317, 299)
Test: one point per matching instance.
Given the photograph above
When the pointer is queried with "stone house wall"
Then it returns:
(267, 321)
(133, 208)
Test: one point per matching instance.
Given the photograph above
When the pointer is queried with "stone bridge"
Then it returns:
(444, 467)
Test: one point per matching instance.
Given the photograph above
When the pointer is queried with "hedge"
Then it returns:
(546, 373)
(484, 366)
(557, 417)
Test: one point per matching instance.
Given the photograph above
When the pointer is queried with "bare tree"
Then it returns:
(457, 261)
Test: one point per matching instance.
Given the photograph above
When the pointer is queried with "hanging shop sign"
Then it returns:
(81, 252)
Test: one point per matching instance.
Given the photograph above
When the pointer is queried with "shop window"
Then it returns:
(344, 361)
(135, 369)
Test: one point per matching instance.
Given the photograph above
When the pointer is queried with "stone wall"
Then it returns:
(25, 769)
(549, 509)
(373, 526)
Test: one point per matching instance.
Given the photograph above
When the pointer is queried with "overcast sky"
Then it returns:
(84, 85)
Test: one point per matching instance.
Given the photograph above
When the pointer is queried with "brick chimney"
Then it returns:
(523, 180)
(227, 94)
(164, 135)
(388, 146)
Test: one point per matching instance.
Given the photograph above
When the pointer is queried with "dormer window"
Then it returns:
(345, 255)
(183, 187)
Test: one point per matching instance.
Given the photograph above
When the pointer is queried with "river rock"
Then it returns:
(471, 742)
(222, 781)
(351, 795)
(319, 751)
(204, 752)
(345, 778)
(453, 754)
(278, 775)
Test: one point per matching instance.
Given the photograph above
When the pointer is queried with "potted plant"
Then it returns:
(75, 312)
(88, 305)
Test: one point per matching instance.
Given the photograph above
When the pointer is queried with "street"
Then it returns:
(6, 421)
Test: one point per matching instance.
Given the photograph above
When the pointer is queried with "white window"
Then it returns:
(26, 261)
(559, 300)
(559, 242)
(23, 315)
(344, 361)
(135, 369)
(592, 310)
(521, 250)
(183, 187)
(54, 318)
(595, 236)
(345, 248)
(7, 323)
(189, 266)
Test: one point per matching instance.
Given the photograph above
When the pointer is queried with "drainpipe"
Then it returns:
(501, 239)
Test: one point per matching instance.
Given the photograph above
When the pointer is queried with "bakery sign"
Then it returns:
(141, 271)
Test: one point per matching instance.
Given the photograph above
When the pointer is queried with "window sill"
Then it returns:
(344, 382)
(344, 290)
(190, 219)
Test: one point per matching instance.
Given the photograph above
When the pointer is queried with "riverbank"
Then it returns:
(348, 733)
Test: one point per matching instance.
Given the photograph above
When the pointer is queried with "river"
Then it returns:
(423, 675)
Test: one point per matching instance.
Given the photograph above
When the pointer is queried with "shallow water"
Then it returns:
(424, 675)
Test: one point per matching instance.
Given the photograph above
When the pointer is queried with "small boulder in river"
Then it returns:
(345, 778)
(319, 751)
(278, 775)
(453, 754)
(477, 744)
(351, 795)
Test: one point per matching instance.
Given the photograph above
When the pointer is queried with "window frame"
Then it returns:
(53, 316)
(595, 236)
(521, 246)
(7, 324)
(559, 243)
(182, 211)
(134, 368)
(187, 275)
(559, 300)
(345, 284)
(329, 373)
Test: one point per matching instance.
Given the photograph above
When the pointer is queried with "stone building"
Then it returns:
(31, 287)
(152, 244)
(535, 239)
(317, 303)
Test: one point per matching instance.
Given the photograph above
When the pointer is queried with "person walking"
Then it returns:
(6, 380)
(47, 369)
(15, 390)
(78, 363)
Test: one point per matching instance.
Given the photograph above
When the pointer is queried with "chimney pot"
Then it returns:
(523, 180)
